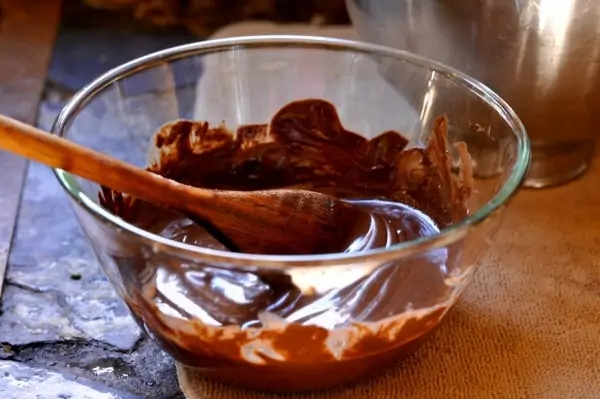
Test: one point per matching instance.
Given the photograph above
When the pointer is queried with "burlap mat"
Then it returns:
(528, 327)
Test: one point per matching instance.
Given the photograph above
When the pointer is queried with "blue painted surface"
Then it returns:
(81, 55)
(49, 247)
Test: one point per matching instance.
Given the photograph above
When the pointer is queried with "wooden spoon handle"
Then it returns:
(56, 152)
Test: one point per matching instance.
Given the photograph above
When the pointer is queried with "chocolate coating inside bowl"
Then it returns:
(305, 146)
(229, 322)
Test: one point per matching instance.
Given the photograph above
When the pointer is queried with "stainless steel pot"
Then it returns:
(542, 56)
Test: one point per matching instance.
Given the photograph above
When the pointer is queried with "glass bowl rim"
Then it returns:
(160, 244)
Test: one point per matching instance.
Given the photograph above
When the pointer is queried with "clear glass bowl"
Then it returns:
(348, 315)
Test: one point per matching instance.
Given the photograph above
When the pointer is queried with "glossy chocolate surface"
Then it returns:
(226, 321)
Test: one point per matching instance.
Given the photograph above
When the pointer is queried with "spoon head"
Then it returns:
(284, 222)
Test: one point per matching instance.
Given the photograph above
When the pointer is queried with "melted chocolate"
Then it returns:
(305, 146)
(239, 325)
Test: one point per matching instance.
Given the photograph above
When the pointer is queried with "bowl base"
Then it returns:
(555, 164)
(196, 383)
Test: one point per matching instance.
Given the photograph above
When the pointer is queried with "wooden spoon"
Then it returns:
(268, 222)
